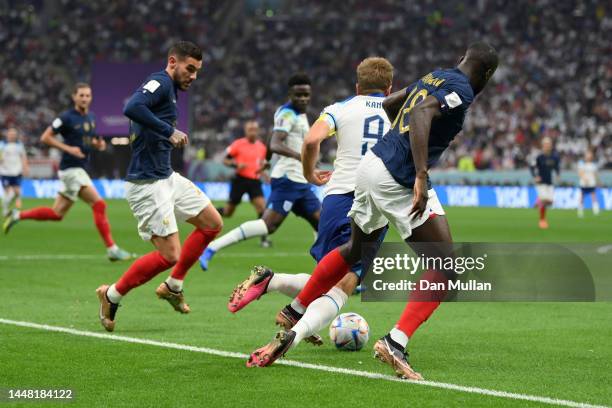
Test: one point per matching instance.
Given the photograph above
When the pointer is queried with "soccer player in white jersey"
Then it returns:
(358, 123)
(290, 190)
(13, 164)
(587, 173)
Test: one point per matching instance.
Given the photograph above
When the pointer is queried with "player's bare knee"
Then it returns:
(171, 255)
(271, 226)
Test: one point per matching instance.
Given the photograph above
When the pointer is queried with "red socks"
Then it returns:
(326, 274)
(542, 212)
(141, 271)
(99, 214)
(421, 304)
(193, 247)
(40, 214)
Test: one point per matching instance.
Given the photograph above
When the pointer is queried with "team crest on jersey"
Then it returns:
(86, 126)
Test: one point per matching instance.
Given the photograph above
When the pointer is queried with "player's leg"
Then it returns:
(432, 227)
(194, 207)
(90, 196)
(8, 197)
(56, 212)
(153, 206)
(259, 204)
(141, 271)
(17, 196)
(320, 313)
(235, 197)
(545, 195)
(267, 224)
(594, 202)
(581, 204)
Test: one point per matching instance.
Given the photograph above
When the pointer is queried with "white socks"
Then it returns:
(596, 207)
(175, 285)
(113, 294)
(247, 230)
(399, 337)
(287, 283)
(319, 314)
(581, 210)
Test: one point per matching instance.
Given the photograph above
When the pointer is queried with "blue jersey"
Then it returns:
(544, 166)
(152, 112)
(452, 89)
(77, 130)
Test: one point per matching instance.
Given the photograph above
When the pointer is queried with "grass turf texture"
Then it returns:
(557, 350)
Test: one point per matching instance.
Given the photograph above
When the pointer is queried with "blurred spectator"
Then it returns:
(555, 76)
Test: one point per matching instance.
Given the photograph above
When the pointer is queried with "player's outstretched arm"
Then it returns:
(310, 153)
(48, 138)
(420, 125)
(393, 103)
(277, 146)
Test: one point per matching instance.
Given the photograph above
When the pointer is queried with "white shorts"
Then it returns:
(157, 204)
(545, 191)
(73, 179)
(379, 199)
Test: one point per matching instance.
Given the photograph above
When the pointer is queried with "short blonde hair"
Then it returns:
(374, 73)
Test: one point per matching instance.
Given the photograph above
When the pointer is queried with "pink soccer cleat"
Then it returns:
(251, 289)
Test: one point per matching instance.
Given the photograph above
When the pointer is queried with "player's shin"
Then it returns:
(249, 229)
(288, 284)
(319, 314)
(102, 224)
(141, 271)
(326, 274)
(195, 243)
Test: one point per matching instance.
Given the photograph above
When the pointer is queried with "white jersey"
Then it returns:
(11, 159)
(589, 174)
(288, 120)
(358, 123)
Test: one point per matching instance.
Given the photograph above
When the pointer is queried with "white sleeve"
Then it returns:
(284, 119)
(331, 114)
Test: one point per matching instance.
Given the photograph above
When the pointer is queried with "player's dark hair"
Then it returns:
(184, 49)
(484, 55)
(299, 78)
(79, 85)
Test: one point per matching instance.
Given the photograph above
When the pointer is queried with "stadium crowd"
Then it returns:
(555, 76)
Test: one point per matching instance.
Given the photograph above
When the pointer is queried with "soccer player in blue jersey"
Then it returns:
(393, 187)
(157, 195)
(358, 123)
(290, 190)
(77, 127)
(546, 163)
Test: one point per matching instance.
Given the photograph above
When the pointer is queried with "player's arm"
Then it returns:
(310, 153)
(420, 120)
(138, 109)
(393, 103)
(48, 138)
(278, 146)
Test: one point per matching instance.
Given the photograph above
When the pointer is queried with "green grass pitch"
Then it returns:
(556, 350)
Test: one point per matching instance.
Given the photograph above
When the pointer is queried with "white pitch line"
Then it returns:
(299, 364)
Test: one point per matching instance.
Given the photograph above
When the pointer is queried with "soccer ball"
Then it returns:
(349, 331)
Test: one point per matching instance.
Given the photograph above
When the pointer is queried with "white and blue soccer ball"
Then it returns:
(349, 331)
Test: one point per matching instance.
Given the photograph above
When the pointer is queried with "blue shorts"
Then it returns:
(287, 196)
(587, 190)
(335, 227)
(11, 181)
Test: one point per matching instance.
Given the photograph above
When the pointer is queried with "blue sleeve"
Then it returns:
(454, 95)
(138, 108)
(59, 124)
(558, 165)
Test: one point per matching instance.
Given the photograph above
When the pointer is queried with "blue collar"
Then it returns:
(376, 94)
